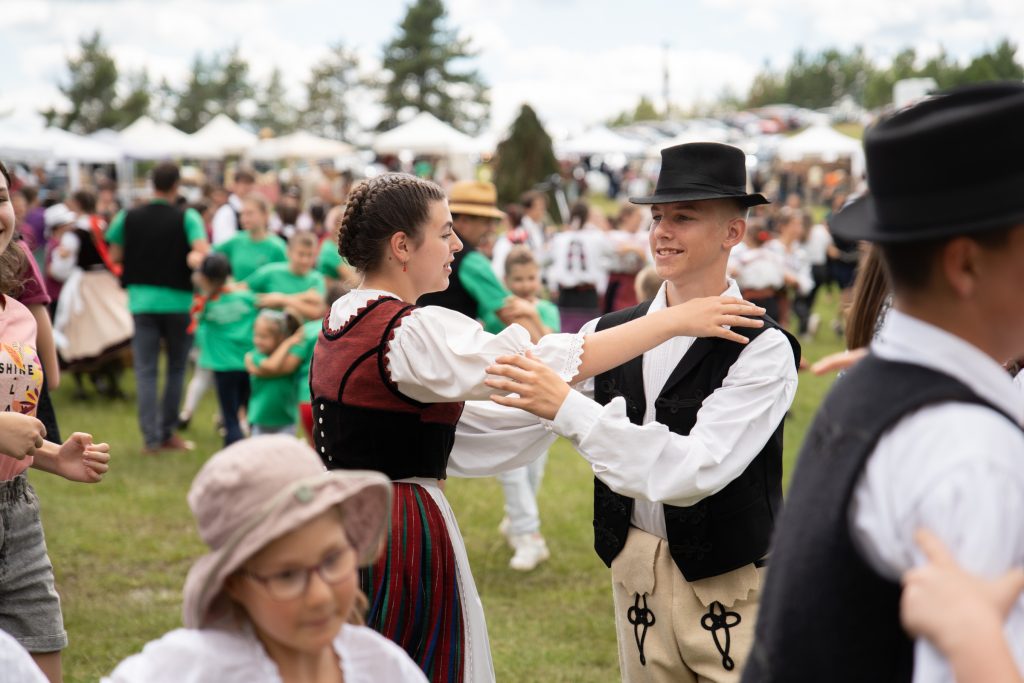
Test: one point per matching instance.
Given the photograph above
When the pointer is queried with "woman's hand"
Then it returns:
(706, 317)
(946, 604)
(20, 435)
(79, 459)
(540, 390)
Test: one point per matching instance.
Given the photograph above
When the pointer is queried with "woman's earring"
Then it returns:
(405, 267)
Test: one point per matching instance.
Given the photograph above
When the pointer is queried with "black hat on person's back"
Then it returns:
(951, 165)
(702, 170)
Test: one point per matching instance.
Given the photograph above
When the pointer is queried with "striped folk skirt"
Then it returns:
(420, 589)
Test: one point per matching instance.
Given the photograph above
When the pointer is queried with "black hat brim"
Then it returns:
(745, 200)
(858, 221)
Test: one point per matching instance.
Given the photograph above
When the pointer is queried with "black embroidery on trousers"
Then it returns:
(642, 619)
(719, 619)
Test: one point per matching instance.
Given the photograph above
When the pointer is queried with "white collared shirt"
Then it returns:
(956, 469)
(653, 465)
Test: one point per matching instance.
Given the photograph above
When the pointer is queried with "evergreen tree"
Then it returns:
(219, 85)
(91, 90)
(331, 83)
(420, 61)
(272, 108)
(523, 159)
(137, 102)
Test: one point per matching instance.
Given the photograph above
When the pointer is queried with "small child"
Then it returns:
(273, 399)
(521, 525)
(225, 313)
(277, 596)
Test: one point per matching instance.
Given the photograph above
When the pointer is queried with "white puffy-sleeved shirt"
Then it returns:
(237, 656)
(438, 355)
(655, 466)
(580, 257)
(796, 262)
(225, 220)
(16, 664)
(956, 469)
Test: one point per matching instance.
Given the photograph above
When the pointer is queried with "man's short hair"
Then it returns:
(245, 177)
(910, 265)
(165, 176)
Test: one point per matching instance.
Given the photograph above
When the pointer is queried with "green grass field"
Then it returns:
(121, 549)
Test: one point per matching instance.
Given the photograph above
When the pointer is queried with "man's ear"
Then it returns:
(960, 262)
(735, 230)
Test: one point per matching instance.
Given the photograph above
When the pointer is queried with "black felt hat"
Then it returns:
(702, 170)
(951, 165)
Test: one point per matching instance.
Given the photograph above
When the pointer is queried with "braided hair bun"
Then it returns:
(379, 207)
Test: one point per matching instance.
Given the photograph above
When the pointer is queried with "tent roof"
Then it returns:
(424, 134)
(819, 141)
(34, 144)
(149, 139)
(224, 135)
(300, 145)
(600, 140)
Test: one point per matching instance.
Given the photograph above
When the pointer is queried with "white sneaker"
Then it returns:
(531, 550)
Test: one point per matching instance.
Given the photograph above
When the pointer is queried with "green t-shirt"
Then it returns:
(278, 278)
(152, 298)
(477, 276)
(226, 330)
(273, 401)
(247, 255)
(304, 350)
(329, 260)
(548, 313)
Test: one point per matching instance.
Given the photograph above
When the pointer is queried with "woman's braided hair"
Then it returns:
(378, 208)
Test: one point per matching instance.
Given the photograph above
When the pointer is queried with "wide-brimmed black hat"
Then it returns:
(950, 165)
(702, 170)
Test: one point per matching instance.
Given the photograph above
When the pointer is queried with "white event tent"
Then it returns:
(149, 139)
(425, 135)
(599, 140)
(224, 136)
(824, 143)
(299, 145)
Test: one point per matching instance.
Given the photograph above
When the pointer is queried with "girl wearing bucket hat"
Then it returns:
(388, 382)
(276, 598)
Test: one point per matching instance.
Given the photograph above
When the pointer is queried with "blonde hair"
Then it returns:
(647, 283)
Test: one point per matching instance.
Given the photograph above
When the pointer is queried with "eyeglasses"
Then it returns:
(335, 568)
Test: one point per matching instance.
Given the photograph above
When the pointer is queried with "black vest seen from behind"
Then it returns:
(727, 530)
(456, 297)
(826, 614)
(156, 247)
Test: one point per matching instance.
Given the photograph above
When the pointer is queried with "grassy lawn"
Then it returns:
(121, 549)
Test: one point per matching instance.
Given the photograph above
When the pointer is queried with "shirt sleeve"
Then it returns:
(225, 225)
(476, 276)
(733, 425)
(319, 283)
(195, 230)
(490, 439)
(953, 469)
(33, 290)
(62, 264)
(438, 355)
(115, 233)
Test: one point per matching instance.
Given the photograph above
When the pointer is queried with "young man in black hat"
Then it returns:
(925, 432)
(685, 441)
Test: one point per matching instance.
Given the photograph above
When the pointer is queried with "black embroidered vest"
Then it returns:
(456, 297)
(825, 614)
(725, 531)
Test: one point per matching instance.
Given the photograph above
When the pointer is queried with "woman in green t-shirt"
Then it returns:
(254, 246)
(273, 399)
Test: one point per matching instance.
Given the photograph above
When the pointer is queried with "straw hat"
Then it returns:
(259, 489)
(474, 198)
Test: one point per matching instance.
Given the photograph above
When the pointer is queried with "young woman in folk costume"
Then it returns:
(389, 380)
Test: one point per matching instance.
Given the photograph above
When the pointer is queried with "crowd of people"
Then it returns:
(414, 333)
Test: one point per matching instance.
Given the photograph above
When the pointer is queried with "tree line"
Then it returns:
(423, 69)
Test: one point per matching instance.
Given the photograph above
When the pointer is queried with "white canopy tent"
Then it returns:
(599, 140)
(149, 139)
(67, 146)
(300, 145)
(224, 136)
(694, 134)
(425, 135)
(824, 143)
(22, 145)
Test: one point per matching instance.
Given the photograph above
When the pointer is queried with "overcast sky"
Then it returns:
(576, 61)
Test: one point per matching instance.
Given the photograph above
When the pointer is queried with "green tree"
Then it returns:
(273, 110)
(332, 81)
(421, 60)
(137, 101)
(91, 90)
(523, 159)
(644, 111)
(218, 85)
